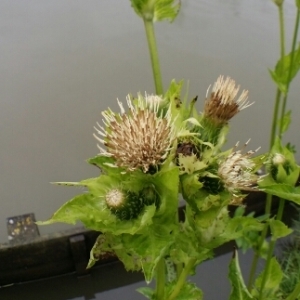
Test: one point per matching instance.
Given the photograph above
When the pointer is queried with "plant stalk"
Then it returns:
(182, 278)
(271, 251)
(179, 269)
(281, 28)
(290, 70)
(149, 28)
(275, 117)
(256, 258)
(273, 135)
(160, 279)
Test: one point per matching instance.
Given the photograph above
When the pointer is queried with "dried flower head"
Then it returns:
(222, 104)
(140, 138)
(236, 171)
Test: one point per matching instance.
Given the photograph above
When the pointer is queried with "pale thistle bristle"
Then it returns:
(223, 103)
(237, 170)
(139, 138)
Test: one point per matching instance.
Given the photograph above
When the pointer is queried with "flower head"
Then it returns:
(140, 138)
(236, 171)
(153, 100)
(222, 104)
(124, 205)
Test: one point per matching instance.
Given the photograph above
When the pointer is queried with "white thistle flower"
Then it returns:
(140, 138)
(236, 171)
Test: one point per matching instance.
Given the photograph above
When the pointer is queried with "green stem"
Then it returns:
(271, 251)
(252, 271)
(182, 278)
(179, 268)
(275, 117)
(160, 279)
(290, 69)
(281, 25)
(273, 135)
(149, 27)
(278, 93)
(256, 258)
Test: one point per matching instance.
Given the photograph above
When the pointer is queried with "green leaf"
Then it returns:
(166, 183)
(148, 247)
(189, 291)
(282, 74)
(279, 229)
(156, 10)
(239, 290)
(92, 211)
(272, 284)
(285, 122)
(283, 191)
(105, 164)
(187, 244)
(239, 227)
(101, 247)
(146, 291)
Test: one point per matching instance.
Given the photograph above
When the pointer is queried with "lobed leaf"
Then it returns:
(274, 276)
(239, 290)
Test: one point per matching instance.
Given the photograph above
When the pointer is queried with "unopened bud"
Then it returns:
(124, 205)
(278, 159)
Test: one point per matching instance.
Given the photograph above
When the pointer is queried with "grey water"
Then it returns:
(63, 62)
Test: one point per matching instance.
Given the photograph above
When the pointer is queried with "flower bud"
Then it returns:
(124, 205)
(150, 196)
(282, 170)
(212, 185)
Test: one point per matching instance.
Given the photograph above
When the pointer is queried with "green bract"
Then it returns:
(156, 10)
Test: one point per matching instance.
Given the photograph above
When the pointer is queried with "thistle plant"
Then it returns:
(160, 148)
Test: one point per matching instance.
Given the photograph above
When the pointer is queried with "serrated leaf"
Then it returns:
(187, 244)
(274, 276)
(239, 290)
(282, 73)
(100, 247)
(279, 229)
(94, 214)
(189, 291)
(283, 191)
(105, 164)
(238, 227)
